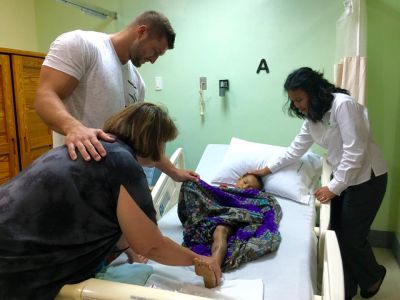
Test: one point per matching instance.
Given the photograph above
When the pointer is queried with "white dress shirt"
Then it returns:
(345, 132)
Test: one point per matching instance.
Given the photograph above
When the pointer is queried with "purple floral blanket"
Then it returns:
(252, 215)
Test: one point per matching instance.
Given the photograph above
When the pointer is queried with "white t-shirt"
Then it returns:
(345, 131)
(105, 85)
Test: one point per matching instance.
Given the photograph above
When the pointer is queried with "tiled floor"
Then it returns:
(390, 289)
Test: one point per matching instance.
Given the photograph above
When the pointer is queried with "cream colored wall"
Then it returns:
(18, 25)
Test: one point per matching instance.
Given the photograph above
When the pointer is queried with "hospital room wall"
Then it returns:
(54, 17)
(219, 40)
(383, 48)
(18, 25)
(223, 41)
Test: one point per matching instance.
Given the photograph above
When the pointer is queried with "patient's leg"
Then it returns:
(204, 269)
(219, 245)
(218, 251)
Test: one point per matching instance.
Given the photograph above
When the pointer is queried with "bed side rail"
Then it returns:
(97, 289)
(166, 191)
(332, 279)
(324, 211)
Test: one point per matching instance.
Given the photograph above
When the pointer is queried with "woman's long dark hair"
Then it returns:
(317, 88)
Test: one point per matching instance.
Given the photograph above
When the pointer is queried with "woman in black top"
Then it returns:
(60, 218)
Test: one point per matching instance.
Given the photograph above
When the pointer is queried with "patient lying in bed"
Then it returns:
(233, 224)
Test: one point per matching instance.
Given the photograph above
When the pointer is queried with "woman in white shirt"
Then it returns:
(336, 122)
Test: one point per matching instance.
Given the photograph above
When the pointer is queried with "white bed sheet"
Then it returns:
(289, 273)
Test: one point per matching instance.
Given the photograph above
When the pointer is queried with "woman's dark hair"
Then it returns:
(146, 126)
(260, 182)
(318, 89)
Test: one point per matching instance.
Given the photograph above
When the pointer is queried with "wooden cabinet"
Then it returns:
(23, 135)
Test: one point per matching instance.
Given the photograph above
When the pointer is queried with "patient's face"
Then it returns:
(248, 181)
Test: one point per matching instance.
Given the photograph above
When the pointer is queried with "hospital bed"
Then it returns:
(307, 264)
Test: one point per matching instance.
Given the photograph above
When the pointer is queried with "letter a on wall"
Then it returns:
(263, 66)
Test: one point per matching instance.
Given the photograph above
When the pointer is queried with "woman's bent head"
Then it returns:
(313, 90)
(146, 126)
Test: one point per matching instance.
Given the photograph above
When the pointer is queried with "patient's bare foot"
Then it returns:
(204, 269)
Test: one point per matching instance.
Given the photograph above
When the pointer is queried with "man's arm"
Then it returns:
(54, 86)
(165, 165)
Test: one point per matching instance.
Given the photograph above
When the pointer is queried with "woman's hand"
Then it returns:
(181, 175)
(261, 172)
(324, 195)
(134, 257)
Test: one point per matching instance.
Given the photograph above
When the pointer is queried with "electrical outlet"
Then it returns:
(203, 83)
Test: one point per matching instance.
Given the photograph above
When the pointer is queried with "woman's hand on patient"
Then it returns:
(181, 175)
(260, 172)
(323, 194)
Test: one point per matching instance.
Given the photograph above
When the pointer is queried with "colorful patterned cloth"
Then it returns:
(252, 215)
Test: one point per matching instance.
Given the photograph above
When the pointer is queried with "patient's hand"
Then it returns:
(223, 186)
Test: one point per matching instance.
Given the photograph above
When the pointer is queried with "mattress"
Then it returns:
(289, 273)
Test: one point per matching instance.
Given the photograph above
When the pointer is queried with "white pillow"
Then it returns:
(295, 182)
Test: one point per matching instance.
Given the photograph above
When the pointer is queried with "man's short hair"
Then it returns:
(158, 26)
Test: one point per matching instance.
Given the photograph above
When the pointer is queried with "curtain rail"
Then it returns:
(91, 9)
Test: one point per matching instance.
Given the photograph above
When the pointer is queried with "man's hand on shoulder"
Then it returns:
(86, 141)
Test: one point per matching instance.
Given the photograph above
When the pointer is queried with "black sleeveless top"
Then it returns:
(58, 219)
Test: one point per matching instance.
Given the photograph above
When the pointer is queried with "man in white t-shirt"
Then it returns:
(89, 76)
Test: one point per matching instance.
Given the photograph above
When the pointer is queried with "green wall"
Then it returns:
(54, 17)
(384, 98)
(226, 40)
